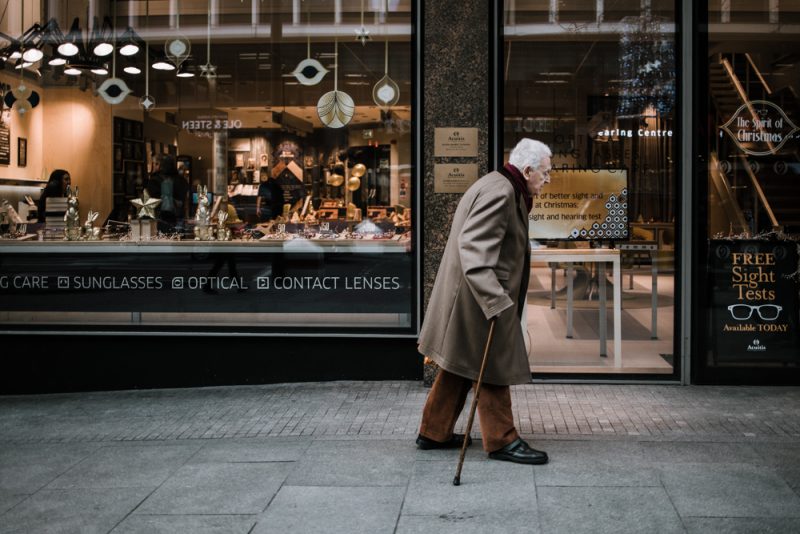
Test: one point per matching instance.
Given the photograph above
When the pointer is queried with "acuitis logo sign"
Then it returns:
(756, 346)
(456, 136)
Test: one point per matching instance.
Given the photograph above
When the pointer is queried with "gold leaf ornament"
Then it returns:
(335, 109)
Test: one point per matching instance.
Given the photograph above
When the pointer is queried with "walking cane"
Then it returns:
(457, 479)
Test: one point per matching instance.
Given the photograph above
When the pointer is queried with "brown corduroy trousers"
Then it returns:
(446, 400)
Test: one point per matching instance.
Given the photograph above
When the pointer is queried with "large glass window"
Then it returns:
(749, 122)
(212, 163)
(596, 81)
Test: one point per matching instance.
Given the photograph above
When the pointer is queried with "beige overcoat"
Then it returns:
(483, 273)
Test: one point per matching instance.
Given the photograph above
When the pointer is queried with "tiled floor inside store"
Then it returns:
(553, 352)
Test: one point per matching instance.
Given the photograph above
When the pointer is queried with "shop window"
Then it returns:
(231, 165)
(748, 317)
(597, 83)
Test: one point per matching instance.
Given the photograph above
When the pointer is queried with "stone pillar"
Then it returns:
(456, 93)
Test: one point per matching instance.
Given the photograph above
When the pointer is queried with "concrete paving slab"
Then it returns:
(607, 510)
(9, 499)
(332, 509)
(190, 524)
(742, 525)
(132, 466)
(485, 488)
(612, 452)
(252, 450)
(779, 454)
(85, 511)
(726, 490)
(355, 463)
(25, 468)
(564, 472)
(239, 488)
(699, 452)
(520, 522)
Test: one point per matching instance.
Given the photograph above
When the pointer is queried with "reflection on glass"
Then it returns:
(219, 129)
(596, 82)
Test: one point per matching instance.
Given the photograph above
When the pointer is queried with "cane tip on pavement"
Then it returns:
(457, 481)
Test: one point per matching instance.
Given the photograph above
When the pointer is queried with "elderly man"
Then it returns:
(483, 275)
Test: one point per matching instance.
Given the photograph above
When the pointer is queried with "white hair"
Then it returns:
(529, 153)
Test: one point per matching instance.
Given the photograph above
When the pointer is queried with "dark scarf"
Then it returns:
(518, 181)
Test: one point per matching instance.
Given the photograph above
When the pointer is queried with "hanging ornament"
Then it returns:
(22, 106)
(9, 99)
(362, 34)
(21, 98)
(179, 47)
(208, 71)
(335, 108)
(177, 50)
(114, 90)
(147, 102)
(386, 92)
(309, 71)
(359, 170)
(353, 183)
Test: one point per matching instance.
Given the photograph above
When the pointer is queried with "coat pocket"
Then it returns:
(501, 274)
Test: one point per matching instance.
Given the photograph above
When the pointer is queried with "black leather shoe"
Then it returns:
(453, 443)
(519, 452)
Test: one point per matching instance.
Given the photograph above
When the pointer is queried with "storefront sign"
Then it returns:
(760, 128)
(582, 204)
(211, 123)
(455, 142)
(454, 178)
(754, 304)
(210, 282)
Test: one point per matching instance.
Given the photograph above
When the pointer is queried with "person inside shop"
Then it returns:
(483, 276)
(173, 190)
(269, 202)
(56, 187)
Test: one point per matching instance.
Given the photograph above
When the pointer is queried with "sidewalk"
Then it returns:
(340, 457)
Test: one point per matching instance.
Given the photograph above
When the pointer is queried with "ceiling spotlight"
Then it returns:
(101, 40)
(57, 61)
(68, 48)
(103, 49)
(184, 72)
(129, 45)
(131, 69)
(100, 71)
(163, 64)
(23, 65)
(16, 54)
(32, 55)
(72, 71)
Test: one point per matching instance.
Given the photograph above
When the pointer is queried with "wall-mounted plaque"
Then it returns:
(5, 145)
(455, 142)
(455, 178)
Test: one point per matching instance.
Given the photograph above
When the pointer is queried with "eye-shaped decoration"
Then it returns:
(114, 90)
(335, 109)
(386, 93)
(208, 71)
(309, 72)
(178, 49)
(147, 102)
(12, 101)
